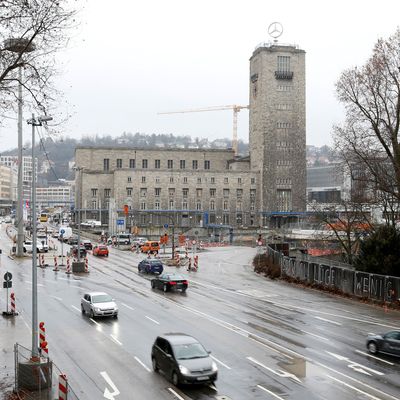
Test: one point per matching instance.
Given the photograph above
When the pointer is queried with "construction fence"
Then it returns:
(349, 281)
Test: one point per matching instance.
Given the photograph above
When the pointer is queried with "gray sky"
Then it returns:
(131, 59)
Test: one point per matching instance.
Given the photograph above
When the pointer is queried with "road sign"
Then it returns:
(62, 231)
(8, 276)
(7, 285)
(166, 226)
(120, 222)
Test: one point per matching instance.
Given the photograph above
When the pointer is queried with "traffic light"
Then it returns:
(126, 209)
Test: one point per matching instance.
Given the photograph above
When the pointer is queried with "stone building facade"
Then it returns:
(213, 187)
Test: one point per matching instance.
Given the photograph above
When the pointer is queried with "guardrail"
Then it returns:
(349, 281)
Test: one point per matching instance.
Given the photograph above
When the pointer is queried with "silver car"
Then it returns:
(99, 304)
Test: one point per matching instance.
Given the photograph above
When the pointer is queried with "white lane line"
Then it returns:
(354, 388)
(317, 336)
(282, 374)
(116, 340)
(376, 358)
(29, 282)
(142, 364)
(176, 395)
(57, 298)
(328, 320)
(77, 287)
(153, 320)
(220, 362)
(269, 392)
(91, 319)
(126, 305)
(76, 308)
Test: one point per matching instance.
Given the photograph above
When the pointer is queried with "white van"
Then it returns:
(64, 233)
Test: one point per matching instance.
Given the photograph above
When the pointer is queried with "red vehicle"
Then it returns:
(100, 250)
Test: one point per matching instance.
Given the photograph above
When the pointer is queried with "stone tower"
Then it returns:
(277, 137)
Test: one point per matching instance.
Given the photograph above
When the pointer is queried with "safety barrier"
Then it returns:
(42, 338)
(62, 387)
(12, 297)
(86, 264)
(55, 264)
(68, 271)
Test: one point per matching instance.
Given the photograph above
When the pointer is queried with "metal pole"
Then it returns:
(78, 203)
(35, 352)
(19, 214)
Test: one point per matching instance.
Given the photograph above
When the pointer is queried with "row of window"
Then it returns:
(157, 164)
(199, 180)
(171, 192)
(284, 88)
(284, 107)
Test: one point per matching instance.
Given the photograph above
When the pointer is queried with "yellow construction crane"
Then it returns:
(233, 107)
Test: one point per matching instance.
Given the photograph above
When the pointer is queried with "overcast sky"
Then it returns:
(130, 59)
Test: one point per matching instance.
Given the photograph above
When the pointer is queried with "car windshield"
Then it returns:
(175, 277)
(154, 262)
(189, 351)
(101, 298)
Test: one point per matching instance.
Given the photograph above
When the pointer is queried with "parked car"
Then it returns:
(100, 250)
(384, 343)
(73, 240)
(41, 247)
(150, 246)
(87, 244)
(82, 251)
(139, 241)
(7, 219)
(99, 304)
(168, 281)
(121, 238)
(183, 359)
(150, 266)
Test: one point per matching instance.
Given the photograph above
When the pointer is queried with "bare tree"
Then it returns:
(369, 139)
(31, 33)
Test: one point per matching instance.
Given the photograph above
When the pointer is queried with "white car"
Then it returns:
(99, 304)
(41, 247)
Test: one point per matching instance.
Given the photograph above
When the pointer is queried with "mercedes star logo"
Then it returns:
(275, 30)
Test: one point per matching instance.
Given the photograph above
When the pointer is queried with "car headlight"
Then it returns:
(184, 370)
(97, 309)
(214, 367)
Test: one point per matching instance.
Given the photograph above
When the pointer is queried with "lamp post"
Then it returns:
(78, 205)
(35, 122)
(19, 46)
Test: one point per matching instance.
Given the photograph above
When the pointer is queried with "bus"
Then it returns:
(43, 217)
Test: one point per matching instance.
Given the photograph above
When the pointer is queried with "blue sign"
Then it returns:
(120, 222)
(62, 231)
(166, 226)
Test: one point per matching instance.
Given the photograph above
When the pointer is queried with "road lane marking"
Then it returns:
(354, 388)
(220, 362)
(95, 322)
(269, 392)
(116, 340)
(107, 394)
(142, 364)
(328, 320)
(57, 298)
(153, 320)
(376, 358)
(320, 337)
(76, 308)
(356, 366)
(176, 395)
(126, 305)
(282, 374)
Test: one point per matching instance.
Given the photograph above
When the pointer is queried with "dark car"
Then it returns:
(87, 244)
(150, 266)
(82, 250)
(73, 240)
(183, 359)
(384, 343)
(168, 281)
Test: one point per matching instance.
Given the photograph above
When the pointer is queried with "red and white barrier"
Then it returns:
(62, 387)
(55, 264)
(41, 256)
(86, 264)
(12, 296)
(196, 263)
(190, 264)
(177, 257)
(68, 271)
(148, 254)
(42, 338)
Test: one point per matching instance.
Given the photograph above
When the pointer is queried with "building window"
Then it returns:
(157, 205)
(119, 163)
(252, 206)
(226, 192)
(184, 205)
(94, 192)
(107, 193)
(284, 200)
(129, 179)
(212, 179)
(157, 164)
(225, 219)
(253, 181)
(185, 192)
(170, 164)
(252, 194)
(206, 164)
(283, 63)
(194, 164)
(185, 179)
(94, 204)
(239, 181)
(212, 205)
(143, 192)
(171, 192)
(198, 205)
(239, 218)
(157, 179)
(171, 204)
(132, 163)
(129, 192)
(198, 180)
(142, 205)
(226, 180)
(199, 192)
(157, 192)
(225, 205)
(171, 179)
(182, 164)
(106, 164)
(143, 179)
(239, 206)
(239, 193)
(144, 163)
(213, 192)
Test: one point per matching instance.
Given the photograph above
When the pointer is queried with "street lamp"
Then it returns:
(35, 122)
(19, 46)
(79, 206)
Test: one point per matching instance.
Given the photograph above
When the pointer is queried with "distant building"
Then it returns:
(8, 186)
(54, 196)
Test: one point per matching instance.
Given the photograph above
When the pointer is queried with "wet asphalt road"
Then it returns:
(270, 340)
